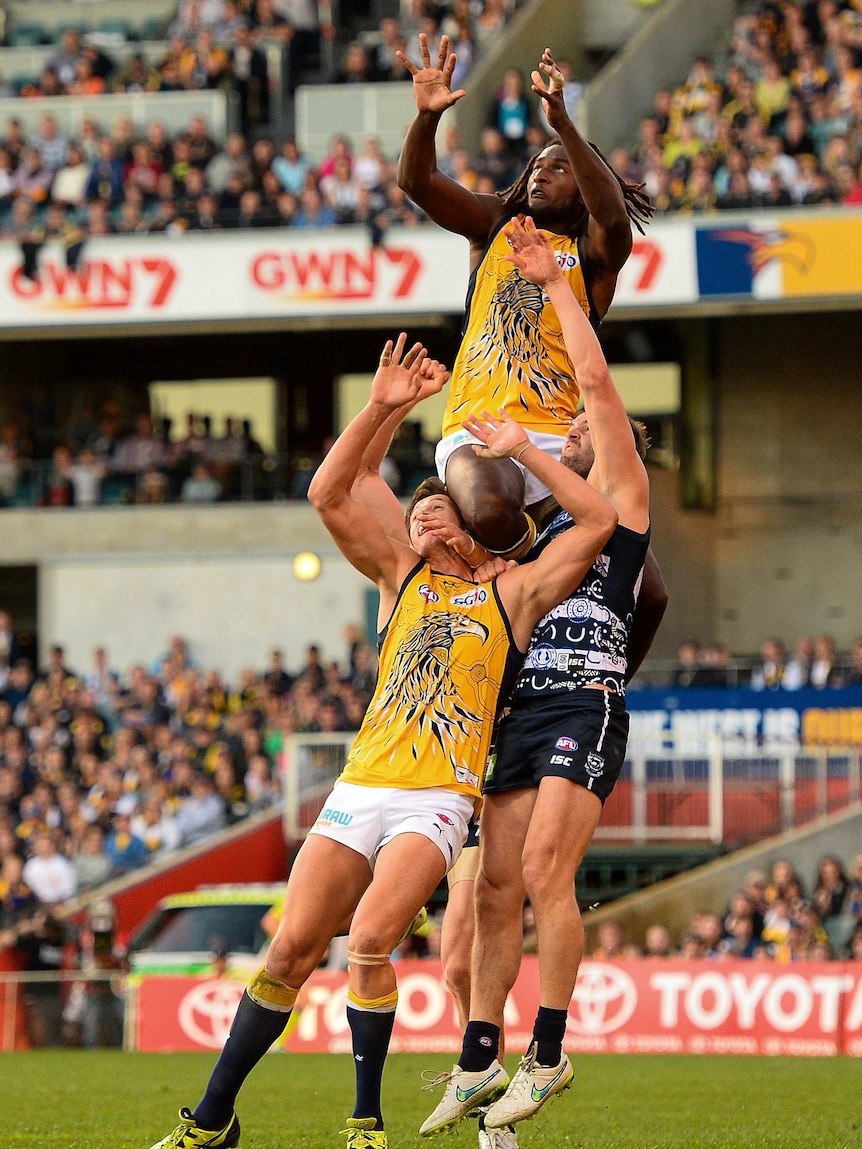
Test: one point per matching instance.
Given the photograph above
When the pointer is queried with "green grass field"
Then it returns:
(109, 1100)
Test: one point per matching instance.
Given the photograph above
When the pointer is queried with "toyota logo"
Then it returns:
(604, 999)
(206, 1012)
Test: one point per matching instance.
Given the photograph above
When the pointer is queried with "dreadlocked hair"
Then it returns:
(638, 206)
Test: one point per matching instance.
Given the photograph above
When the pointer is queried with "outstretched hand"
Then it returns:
(532, 253)
(428, 523)
(552, 95)
(401, 379)
(502, 436)
(432, 87)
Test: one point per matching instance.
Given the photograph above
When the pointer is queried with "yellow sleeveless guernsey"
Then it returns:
(447, 664)
(512, 354)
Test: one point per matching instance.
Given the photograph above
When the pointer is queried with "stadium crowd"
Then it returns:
(101, 773)
(776, 123)
(102, 458)
(771, 917)
(814, 664)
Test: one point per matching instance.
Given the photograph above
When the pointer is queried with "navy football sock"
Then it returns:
(481, 1046)
(548, 1035)
(371, 1033)
(253, 1031)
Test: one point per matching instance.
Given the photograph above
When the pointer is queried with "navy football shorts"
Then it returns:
(581, 736)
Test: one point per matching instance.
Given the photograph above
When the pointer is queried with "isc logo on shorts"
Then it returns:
(565, 744)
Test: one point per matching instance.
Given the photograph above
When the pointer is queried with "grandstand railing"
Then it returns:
(717, 792)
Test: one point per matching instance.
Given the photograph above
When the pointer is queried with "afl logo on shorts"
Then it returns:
(445, 819)
(428, 594)
(595, 765)
(578, 609)
(566, 744)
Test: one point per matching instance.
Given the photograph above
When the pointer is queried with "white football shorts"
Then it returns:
(365, 818)
(535, 491)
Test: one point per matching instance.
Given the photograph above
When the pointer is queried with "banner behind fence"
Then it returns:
(727, 1007)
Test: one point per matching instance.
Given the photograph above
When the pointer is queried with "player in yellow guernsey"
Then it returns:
(397, 818)
(512, 354)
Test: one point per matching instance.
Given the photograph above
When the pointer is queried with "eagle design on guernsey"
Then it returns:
(511, 341)
(421, 682)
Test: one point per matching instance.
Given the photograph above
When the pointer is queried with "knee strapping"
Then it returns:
(384, 1004)
(367, 959)
(270, 993)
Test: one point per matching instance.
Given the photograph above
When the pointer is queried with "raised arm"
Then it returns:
(618, 471)
(369, 487)
(609, 233)
(446, 202)
(528, 592)
(357, 532)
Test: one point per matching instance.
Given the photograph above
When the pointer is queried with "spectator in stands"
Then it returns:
(141, 451)
(106, 174)
(313, 211)
(32, 180)
(356, 67)
(511, 115)
(65, 62)
(50, 143)
(269, 24)
(276, 676)
(710, 928)
(291, 167)
(10, 464)
(309, 20)
(92, 864)
(156, 827)
(70, 182)
(740, 940)
(201, 486)
(688, 664)
(783, 879)
(202, 812)
(854, 673)
(769, 675)
(611, 940)
(657, 943)
(87, 82)
(49, 875)
(125, 850)
(493, 160)
(384, 64)
(823, 671)
(16, 898)
(831, 889)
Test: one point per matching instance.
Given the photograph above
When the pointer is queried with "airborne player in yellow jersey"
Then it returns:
(397, 818)
(512, 355)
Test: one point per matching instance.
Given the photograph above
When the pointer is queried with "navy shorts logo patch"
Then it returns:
(595, 764)
(565, 744)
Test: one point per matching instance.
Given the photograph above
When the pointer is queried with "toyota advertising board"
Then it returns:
(726, 1007)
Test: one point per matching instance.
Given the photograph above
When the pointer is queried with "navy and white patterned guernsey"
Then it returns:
(584, 640)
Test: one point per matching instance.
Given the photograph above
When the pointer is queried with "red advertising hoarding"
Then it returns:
(727, 1007)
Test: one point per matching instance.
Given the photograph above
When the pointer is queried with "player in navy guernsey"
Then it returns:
(560, 748)
(584, 640)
